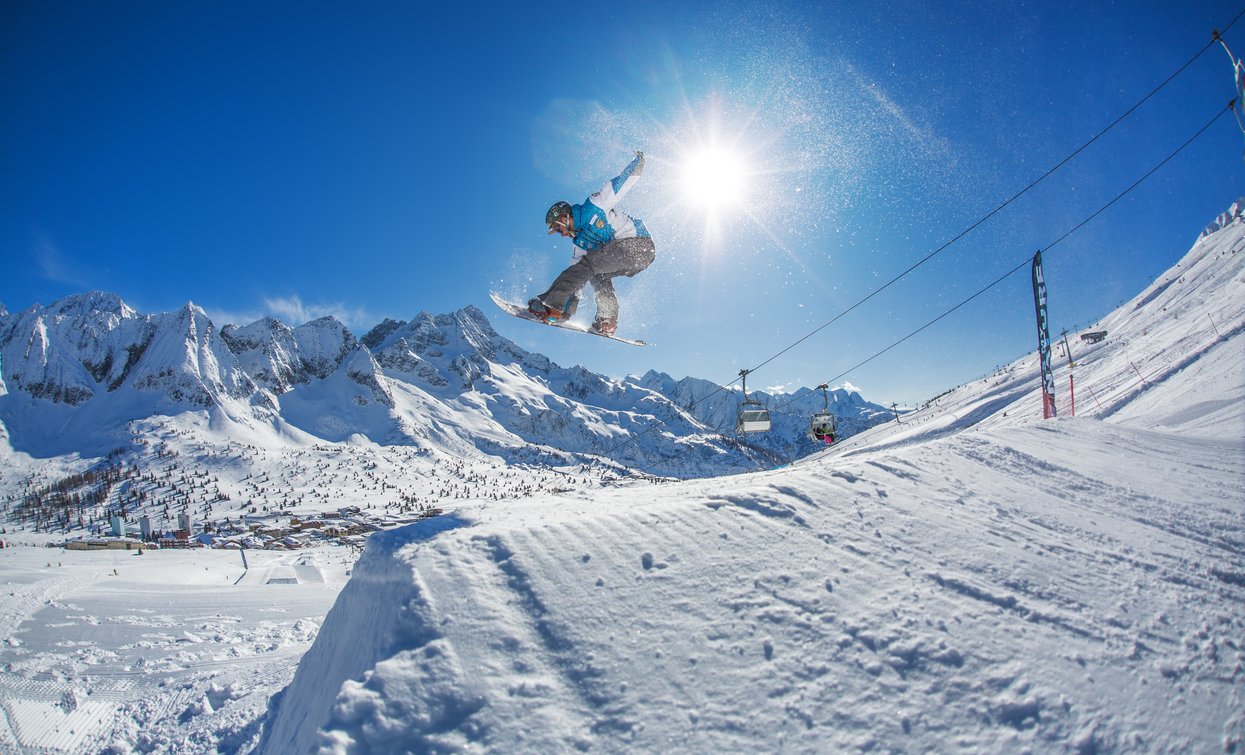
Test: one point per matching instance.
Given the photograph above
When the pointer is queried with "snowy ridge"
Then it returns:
(972, 578)
(80, 369)
(84, 368)
(99, 324)
(1234, 214)
(279, 357)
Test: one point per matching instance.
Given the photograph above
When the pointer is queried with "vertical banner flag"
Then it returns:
(1039, 299)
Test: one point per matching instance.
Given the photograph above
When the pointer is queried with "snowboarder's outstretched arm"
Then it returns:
(612, 192)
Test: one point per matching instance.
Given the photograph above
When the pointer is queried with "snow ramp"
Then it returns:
(975, 592)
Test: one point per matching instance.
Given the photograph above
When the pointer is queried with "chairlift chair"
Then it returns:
(753, 416)
(822, 427)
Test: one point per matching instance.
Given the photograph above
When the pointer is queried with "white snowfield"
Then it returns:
(173, 651)
(974, 578)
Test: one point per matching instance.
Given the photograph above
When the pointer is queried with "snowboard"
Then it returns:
(520, 311)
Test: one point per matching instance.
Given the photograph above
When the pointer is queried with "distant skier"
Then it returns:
(607, 242)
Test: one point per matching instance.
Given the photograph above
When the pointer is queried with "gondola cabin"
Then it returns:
(821, 428)
(753, 418)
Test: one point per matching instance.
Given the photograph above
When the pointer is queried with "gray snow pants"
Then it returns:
(619, 257)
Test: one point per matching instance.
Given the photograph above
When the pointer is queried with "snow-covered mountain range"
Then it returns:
(77, 372)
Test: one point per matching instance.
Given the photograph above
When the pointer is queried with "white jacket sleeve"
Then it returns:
(613, 191)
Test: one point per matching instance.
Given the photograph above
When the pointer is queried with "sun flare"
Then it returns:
(714, 178)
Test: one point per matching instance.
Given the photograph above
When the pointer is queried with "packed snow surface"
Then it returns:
(1045, 585)
(174, 651)
(972, 577)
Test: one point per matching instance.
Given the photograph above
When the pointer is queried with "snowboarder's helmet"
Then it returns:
(556, 211)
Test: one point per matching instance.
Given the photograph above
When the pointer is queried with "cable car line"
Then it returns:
(1025, 262)
(1231, 106)
(1007, 202)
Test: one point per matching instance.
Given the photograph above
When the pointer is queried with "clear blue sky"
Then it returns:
(373, 160)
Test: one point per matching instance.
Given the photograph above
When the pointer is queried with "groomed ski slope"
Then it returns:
(975, 578)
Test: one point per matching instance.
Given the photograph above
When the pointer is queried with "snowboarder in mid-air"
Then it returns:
(608, 243)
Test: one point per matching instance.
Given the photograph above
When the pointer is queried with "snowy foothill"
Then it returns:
(970, 576)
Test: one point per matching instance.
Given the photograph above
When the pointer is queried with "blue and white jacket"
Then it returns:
(597, 222)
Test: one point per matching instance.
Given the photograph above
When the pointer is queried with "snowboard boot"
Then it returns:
(549, 314)
(604, 327)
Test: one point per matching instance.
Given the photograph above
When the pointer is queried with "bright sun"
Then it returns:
(714, 178)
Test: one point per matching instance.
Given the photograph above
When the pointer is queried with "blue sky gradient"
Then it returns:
(373, 160)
